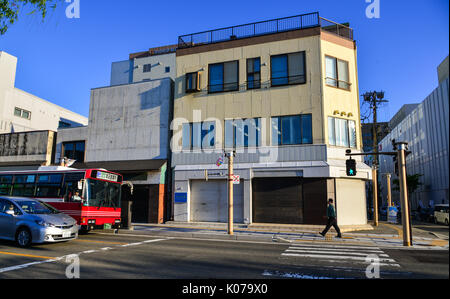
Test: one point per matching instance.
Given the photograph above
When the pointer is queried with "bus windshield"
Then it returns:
(103, 194)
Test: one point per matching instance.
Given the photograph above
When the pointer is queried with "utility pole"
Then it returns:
(375, 98)
(406, 221)
(389, 195)
(375, 195)
(230, 156)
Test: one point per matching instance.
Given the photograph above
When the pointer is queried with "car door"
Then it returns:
(7, 222)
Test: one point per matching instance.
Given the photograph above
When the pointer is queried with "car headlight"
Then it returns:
(43, 223)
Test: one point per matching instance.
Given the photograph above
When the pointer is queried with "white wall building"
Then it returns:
(21, 111)
(426, 129)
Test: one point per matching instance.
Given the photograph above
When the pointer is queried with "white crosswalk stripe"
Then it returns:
(341, 253)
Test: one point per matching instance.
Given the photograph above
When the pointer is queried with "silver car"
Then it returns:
(28, 221)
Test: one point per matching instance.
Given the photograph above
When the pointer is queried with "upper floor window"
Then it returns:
(295, 129)
(288, 69)
(341, 132)
(253, 73)
(192, 82)
(198, 135)
(22, 113)
(243, 133)
(147, 68)
(223, 77)
(336, 73)
(167, 69)
(74, 150)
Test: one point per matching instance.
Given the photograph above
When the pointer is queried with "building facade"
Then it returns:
(21, 111)
(129, 133)
(425, 129)
(286, 100)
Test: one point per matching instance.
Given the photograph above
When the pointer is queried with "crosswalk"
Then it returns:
(340, 253)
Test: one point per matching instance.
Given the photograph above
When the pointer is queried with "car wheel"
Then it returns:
(23, 237)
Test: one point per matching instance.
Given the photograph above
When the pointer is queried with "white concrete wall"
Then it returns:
(44, 115)
(351, 202)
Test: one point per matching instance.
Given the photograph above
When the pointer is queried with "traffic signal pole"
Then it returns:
(404, 194)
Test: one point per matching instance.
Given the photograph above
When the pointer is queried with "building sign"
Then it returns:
(107, 176)
(180, 197)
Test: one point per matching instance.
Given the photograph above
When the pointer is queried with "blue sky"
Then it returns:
(61, 59)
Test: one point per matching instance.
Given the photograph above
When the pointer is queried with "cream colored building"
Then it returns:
(21, 111)
(286, 100)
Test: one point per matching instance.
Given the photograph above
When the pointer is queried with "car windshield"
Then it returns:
(103, 194)
(37, 207)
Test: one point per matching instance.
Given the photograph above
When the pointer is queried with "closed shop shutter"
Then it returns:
(277, 200)
(209, 201)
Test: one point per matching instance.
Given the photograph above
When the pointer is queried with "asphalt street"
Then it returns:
(109, 256)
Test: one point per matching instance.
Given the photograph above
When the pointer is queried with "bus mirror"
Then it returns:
(80, 184)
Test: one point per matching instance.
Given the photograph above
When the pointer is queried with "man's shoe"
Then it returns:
(339, 236)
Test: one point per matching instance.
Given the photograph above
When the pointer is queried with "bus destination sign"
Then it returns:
(107, 176)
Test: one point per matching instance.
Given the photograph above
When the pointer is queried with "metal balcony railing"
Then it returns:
(262, 28)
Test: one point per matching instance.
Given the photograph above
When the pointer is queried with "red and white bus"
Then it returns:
(91, 196)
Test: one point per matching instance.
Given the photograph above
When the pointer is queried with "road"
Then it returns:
(109, 256)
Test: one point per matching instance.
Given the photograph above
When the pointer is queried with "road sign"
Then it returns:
(236, 179)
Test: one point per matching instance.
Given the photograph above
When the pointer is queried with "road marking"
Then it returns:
(332, 252)
(337, 246)
(55, 259)
(100, 242)
(27, 255)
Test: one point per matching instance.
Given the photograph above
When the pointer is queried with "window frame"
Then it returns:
(337, 80)
(147, 68)
(195, 85)
(258, 135)
(223, 77)
(278, 138)
(63, 150)
(287, 70)
(22, 111)
(192, 136)
(349, 145)
(254, 82)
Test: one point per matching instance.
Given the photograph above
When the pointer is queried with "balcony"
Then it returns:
(304, 21)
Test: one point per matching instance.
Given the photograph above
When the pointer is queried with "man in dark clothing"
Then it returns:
(331, 214)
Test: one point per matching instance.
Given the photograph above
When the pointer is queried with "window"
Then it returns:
(296, 129)
(198, 135)
(288, 69)
(167, 69)
(22, 113)
(336, 73)
(341, 132)
(192, 82)
(24, 185)
(243, 133)
(147, 68)
(253, 73)
(74, 150)
(5, 184)
(48, 185)
(223, 77)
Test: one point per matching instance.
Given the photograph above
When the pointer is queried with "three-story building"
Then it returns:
(284, 95)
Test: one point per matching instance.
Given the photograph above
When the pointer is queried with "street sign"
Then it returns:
(236, 179)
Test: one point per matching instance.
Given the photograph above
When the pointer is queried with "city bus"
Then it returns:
(90, 196)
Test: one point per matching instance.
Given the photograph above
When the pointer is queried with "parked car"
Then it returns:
(29, 221)
(441, 214)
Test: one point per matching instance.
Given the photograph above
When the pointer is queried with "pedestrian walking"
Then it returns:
(331, 214)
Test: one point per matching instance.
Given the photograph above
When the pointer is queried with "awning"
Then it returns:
(123, 166)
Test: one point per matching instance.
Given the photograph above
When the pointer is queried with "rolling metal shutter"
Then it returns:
(209, 201)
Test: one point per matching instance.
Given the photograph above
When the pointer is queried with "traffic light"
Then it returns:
(351, 167)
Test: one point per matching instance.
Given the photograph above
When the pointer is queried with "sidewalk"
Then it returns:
(383, 235)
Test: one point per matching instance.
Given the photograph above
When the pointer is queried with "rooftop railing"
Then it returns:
(262, 28)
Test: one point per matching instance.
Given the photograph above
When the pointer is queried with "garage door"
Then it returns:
(277, 200)
(209, 201)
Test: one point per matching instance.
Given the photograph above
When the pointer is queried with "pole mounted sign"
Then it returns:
(236, 179)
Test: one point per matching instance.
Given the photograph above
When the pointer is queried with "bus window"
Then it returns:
(49, 185)
(24, 185)
(5, 184)
(70, 190)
